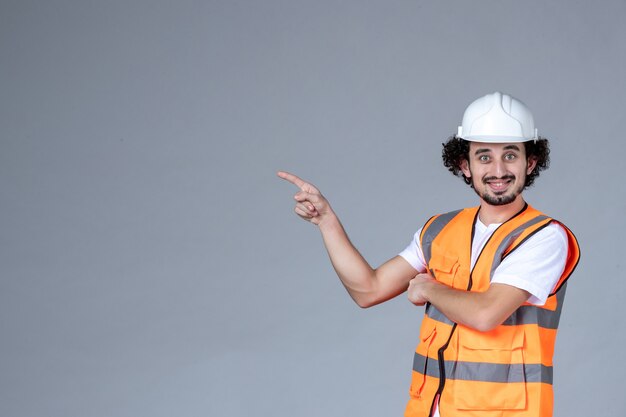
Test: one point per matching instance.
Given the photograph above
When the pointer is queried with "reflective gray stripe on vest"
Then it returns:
(484, 372)
(433, 230)
(506, 242)
(434, 313)
(526, 314)
(540, 316)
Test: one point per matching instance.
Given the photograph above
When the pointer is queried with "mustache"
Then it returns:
(505, 177)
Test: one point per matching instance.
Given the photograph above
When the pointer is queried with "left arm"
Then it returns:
(482, 311)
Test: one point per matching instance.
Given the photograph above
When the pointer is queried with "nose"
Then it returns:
(500, 168)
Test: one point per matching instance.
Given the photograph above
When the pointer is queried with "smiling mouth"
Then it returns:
(499, 185)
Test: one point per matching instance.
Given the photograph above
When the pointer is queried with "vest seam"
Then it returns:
(577, 258)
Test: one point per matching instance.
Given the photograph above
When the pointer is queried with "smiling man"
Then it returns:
(492, 277)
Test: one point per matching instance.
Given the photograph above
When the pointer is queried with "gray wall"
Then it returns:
(150, 262)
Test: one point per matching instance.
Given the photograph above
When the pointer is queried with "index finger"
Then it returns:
(294, 179)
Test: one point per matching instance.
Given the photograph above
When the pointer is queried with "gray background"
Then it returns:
(151, 264)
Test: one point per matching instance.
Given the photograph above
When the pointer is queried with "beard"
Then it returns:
(499, 198)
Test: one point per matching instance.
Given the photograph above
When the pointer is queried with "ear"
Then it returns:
(464, 165)
(531, 164)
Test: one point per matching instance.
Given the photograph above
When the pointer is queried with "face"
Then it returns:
(498, 171)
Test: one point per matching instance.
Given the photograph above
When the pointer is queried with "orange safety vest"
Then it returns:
(505, 372)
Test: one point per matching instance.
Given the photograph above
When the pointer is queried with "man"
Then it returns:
(492, 277)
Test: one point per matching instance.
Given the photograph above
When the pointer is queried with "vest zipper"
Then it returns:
(442, 370)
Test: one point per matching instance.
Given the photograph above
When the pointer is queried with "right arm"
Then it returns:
(366, 286)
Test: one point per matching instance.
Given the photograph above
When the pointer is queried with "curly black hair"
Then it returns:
(455, 150)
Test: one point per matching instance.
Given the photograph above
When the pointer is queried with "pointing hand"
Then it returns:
(310, 203)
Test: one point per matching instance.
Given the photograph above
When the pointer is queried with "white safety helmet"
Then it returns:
(497, 118)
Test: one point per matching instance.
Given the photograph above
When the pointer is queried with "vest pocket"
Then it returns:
(444, 267)
(489, 373)
(421, 361)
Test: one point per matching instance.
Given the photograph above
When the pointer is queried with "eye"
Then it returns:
(510, 157)
(483, 158)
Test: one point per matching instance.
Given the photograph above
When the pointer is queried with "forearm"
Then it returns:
(353, 270)
(463, 307)
(482, 311)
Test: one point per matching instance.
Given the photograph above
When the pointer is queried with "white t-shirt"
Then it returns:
(535, 266)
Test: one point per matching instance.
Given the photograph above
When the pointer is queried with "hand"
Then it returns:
(418, 287)
(310, 203)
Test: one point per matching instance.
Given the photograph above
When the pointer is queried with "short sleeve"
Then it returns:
(537, 264)
(413, 253)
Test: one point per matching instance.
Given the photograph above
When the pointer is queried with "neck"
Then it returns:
(490, 214)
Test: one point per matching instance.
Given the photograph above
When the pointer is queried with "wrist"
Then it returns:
(429, 289)
(329, 223)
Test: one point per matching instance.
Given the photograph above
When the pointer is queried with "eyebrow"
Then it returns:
(487, 150)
